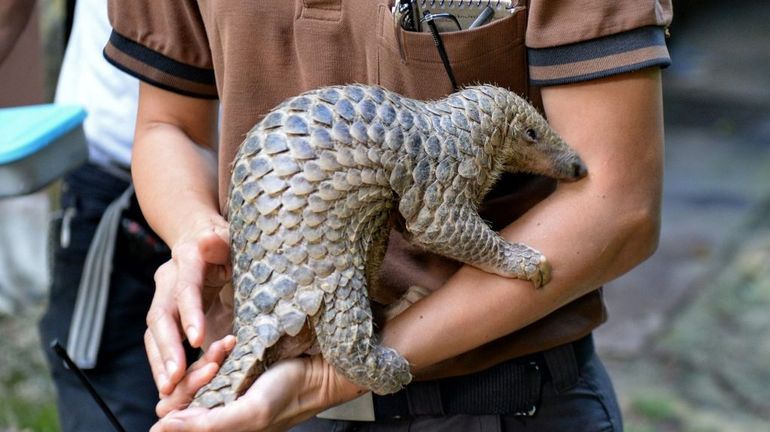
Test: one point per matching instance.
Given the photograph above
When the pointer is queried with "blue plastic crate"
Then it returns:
(39, 144)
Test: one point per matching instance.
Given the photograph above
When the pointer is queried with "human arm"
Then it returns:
(592, 231)
(14, 16)
(174, 172)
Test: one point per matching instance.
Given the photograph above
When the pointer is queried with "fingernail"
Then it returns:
(192, 333)
(170, 367)
(162, 383)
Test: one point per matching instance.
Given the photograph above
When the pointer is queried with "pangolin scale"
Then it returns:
(314, 187)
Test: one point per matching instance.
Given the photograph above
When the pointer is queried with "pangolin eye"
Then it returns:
(531, 135)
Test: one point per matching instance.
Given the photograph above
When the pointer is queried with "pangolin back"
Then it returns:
(313, 189)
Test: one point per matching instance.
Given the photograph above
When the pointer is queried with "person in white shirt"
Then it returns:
(104, 253)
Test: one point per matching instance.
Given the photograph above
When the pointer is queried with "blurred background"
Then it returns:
(688, 339)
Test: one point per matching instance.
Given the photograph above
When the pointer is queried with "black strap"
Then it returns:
(425, 399)
(562, 363)
(510, 388)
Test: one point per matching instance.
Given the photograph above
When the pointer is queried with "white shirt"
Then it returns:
(108, 94)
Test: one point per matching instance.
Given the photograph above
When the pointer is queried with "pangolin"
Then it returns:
(314, 189)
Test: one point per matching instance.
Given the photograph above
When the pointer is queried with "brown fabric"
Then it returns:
(161, 77)
(594, 66)
(555, 23)
(21, 71)
(265, 51)
(173, 29)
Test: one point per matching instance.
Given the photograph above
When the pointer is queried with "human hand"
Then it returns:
(185, 287)
(288, 393)
(198, 374)
(220, 316)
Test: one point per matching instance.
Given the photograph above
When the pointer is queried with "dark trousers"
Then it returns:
(122, 375)
(583, 400)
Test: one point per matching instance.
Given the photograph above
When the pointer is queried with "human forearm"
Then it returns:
(476, 307)
(591, 231)
(174, 170)
(175, 182)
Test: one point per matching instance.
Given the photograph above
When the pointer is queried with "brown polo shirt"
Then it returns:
(253, 54)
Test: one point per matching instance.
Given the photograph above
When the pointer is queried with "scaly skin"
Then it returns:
(313, 189)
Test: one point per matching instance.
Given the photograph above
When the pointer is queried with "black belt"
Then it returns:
(511, 388)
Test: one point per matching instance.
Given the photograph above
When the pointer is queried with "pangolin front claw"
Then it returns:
(537, 270)
(543, 272)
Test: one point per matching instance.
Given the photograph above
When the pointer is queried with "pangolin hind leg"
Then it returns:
(232, 380)
(345, 333)
(248, 360)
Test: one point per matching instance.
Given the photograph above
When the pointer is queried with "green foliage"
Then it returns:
(18, 415)
(655, 407)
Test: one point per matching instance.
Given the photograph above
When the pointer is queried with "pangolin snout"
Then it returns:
(573, 169)
(579, 170)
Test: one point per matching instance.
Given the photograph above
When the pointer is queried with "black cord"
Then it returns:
(429, 18)
(61, 352)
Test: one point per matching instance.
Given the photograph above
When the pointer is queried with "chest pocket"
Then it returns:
(492, 54)
(324, 10)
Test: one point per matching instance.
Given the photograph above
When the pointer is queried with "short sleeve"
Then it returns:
(573, 41)
(163, 43)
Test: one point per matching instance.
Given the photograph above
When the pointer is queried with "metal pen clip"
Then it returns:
(430, 19)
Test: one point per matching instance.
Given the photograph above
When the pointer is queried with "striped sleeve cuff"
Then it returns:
(598, 58)
(161, 71)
